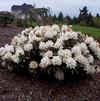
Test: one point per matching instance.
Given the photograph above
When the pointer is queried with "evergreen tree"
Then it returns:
(68, 20)
(54, 19)
(60, 17)
(74, 20)
(90, 21)
(97, 16)
(83, 15)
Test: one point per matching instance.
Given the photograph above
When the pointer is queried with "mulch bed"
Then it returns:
(21, 87)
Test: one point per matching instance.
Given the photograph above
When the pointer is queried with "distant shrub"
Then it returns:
(82, 23)
(33, 24)
(5, 18)
(20, 23)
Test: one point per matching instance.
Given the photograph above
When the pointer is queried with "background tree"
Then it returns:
(60, 17)
(90, 21)
(74, 20)
(83, 15)
(54, 19)
(5, 18)
(68, 20)
(97, 15)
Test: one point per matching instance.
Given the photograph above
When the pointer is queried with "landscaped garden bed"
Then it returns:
(22, 87)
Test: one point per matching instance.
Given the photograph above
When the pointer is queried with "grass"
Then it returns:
(88, 30)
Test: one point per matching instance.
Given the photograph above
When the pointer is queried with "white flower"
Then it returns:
(45, 61)
(28, 47)
(64, 36)
(49, 44)
(46, 45)
(88, 40)
(64, 53)
(33, 65)
(95, 48)
(9, 48)
(2, 51)
(76, 50)
(59, 75)
(26, 31)
(71, 63)
(54, 33)
(39, 33)
(23, 32)
(56, 60)
(15, 58)
(31, 33)
(19, 51)
(84, 48)
(59, 43)
(42, 46)
(94, 45)
(49, 54)
(70, 35)
(48, 34)
(8, 55)
(42, 28)
(14, 40)
(64, 28)
(89, 68)
(83, 60)
(80, 58)
(36, 28)
(22, 39)
(55, 28)
(90, 59)
(33, 38)
(46, 28)
(74, 35)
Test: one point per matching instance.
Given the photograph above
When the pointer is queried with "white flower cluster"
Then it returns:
(54, 50)
(33, 65)
(94, 45)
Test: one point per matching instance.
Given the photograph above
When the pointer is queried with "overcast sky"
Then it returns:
(70, 7)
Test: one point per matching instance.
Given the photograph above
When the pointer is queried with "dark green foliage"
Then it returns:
(90, 21)
(74, 21)
(54, 18)
(20, 23)
(97, 16)
(60, 17)
(5, 18)
(82, 23)
(68, 20)
(85, 18)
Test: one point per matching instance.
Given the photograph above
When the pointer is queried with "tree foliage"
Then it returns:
(60, 17)
(5, 18)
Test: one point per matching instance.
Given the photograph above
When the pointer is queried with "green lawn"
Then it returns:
(88, 30)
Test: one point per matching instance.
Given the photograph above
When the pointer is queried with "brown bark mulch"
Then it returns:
(21, 87)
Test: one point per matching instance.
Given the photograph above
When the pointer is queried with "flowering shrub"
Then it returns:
(53, 50)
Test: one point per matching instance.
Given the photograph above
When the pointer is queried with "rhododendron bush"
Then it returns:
(52, 50)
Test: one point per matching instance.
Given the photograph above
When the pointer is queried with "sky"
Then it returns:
(70, 7)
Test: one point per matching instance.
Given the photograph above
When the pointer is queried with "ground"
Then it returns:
(21, 87)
